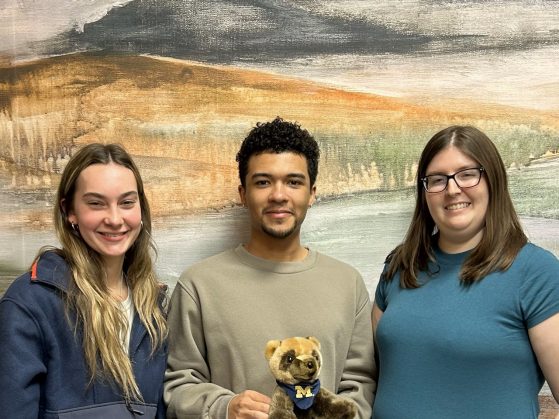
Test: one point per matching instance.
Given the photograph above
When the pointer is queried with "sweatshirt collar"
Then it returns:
(273, 266)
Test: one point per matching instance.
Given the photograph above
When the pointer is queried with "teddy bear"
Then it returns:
(295, 363)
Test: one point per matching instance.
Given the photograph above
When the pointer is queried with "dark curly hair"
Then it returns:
(279, 136)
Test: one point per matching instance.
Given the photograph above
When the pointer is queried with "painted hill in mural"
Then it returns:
(184, 121)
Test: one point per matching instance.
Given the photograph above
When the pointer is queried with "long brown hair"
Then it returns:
(88, 306)
(503, 236)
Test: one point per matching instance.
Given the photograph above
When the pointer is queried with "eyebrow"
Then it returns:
(289, 175)
(469, 166)
(100, 196)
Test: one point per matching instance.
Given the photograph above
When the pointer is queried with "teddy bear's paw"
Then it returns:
(342, 409)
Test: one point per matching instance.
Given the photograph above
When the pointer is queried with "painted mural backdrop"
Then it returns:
(180, 83)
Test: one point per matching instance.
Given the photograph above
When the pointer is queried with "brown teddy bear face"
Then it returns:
(294, 360)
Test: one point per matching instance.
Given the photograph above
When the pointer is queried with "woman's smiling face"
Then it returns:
(458, 213)
(106, 209)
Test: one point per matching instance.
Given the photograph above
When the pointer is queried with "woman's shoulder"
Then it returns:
(48, 273)
(532, 254)
(18, 288)
(535, 266)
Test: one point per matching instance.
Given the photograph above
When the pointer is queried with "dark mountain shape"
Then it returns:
(224, 31)
(265, 31)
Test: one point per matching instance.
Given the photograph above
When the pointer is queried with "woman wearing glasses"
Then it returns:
(466, 314)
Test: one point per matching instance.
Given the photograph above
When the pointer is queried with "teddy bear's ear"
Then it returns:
(314, 340)
(271, 347)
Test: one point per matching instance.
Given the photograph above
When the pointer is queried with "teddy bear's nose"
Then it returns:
(310, 365)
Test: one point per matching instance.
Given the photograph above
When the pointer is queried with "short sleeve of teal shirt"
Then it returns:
(539, 293)
(380, 293)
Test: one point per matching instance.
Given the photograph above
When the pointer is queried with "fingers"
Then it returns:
(249, 405)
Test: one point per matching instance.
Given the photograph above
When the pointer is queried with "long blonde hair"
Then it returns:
(503, 237)
(89, 307)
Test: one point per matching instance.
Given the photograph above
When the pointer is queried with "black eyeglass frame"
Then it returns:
(453, 176)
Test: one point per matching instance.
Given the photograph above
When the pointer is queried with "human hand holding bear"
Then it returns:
(248, 404)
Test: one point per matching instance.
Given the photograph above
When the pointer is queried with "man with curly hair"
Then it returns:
(226, 308)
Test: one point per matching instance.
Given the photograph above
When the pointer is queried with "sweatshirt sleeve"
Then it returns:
(358, 378)
(188, 391)
(21, 361)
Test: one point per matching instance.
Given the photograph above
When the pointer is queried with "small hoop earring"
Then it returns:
(75, 227)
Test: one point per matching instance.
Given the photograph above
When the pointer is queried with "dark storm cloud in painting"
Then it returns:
(222, 31)
(225, 31)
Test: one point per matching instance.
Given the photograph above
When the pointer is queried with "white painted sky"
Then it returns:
(527, 79)
(496, 18)
(24, 21)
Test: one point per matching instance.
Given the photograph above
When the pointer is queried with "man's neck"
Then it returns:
(279, 250)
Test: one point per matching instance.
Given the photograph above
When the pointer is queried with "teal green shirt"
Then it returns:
(449, 351)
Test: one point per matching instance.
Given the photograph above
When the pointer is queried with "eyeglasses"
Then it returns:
(466, 178)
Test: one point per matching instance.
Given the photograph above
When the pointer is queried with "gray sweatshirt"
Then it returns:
(226, 308)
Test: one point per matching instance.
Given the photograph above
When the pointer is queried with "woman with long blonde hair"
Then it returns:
(84, 332)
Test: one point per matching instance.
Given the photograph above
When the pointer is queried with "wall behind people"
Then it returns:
(179, 85)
